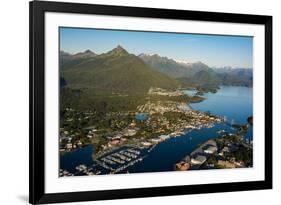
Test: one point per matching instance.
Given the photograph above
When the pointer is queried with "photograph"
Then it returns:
(132, 102)
(148, 101)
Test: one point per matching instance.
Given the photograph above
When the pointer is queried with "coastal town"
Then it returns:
(129, 136)
(151, 120)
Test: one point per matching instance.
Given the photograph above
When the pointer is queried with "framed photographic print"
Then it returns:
(140, 102)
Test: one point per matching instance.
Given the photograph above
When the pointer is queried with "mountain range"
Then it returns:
(118, 71)
(198, 72)
(173, 68)
(115, 72)
(67, 60)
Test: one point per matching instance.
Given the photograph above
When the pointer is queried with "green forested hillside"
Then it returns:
(115, 72)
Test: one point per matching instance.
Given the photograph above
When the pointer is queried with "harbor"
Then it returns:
(120, 159)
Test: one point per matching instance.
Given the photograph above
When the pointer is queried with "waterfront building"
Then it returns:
(146, 144)
(164, 137)
(69, 146)
(210, 149)
(182, 166)
(155, 140)
(198, 160)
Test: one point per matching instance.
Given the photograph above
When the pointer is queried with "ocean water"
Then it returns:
(233, 102)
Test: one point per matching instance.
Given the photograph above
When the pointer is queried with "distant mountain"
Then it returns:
(67, 60)
(85, 54)
(229, 69)
(198, 72)
(64, 57)
(236, 76)
(173, 68)
(202, 77)
(198, 66)
(206, 76)
(164, 65)
(223, 69)
(116, 71)
(119, 51)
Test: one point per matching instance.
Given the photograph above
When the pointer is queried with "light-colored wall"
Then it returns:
(14, 100)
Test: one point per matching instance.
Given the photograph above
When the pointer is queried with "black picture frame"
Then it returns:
(37, 194)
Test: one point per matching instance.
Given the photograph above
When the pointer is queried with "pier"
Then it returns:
(120, 159)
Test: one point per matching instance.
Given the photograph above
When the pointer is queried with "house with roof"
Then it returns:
(198, 160)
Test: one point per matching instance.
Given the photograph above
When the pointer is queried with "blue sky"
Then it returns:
(214, 50)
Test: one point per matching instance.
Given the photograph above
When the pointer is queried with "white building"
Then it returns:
(69, 146)
(155, 140)
(199, 159)
(211, 150)
(164, 137)
(130, 132)
(146, 144)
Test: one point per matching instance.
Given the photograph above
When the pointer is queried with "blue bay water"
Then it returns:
(69, 161)
(233, 102)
